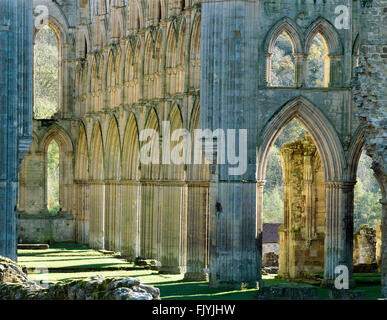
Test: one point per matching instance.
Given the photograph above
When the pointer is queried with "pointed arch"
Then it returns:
(81, 156)
(291, 28)
(320, 128)
(194, 53)
(328, 32)
(61, 137)
(354, 152)
(151, 171)
(112, 153)
(130, 150)
(153, 64)
(96, 165)
(132, 70)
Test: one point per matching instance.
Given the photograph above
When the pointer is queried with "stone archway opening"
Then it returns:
(367, 219)
(294, 206)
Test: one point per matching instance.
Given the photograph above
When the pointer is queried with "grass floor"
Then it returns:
(63, 262)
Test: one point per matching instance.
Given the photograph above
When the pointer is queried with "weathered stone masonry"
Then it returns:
(133, 64)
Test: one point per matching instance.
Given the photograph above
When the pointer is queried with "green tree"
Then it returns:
(46, 67)
(53, 177)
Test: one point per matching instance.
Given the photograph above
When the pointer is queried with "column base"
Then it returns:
(234, 285)
(196, 276)
(172, 270)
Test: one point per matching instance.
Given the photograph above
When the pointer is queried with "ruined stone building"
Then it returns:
(130, 65)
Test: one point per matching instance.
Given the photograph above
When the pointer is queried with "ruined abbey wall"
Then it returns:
(303, 232)
(130, 65)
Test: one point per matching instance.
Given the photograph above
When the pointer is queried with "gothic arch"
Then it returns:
(81, 156)
(320, 128)
(96, 171)
(288, 26)
(174, 171)
(113, 151)
(58, 134)
(132, 70)
(194, 53)
(151, 171)
(354, 153)
(329, 33)
(81, 175)
(130, 150)
(112, 158)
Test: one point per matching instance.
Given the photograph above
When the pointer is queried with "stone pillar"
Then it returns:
(300, 69)
(335, 70)
(384, 247)
(339, 229)
(229, 56)
(16, 30)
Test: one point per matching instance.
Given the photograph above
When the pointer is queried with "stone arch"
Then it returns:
(328, 32)
(197, 172)
(356, 52)
(198, 209)
(113, 151)
(130, 150)
(113, 77)
(97, 189)
(96, 83)
(291, 28)
(151, 212)
(194, 53)
(60, 136)
(175, 118)
(153, 64)
(131, 188)
(320, 128)
(151, 171)
(112, 157)
(81, 81)
(81, 188)
(132, 70)
(82, 42)
(354, 153)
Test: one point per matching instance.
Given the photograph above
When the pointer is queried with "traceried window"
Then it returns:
(46, 73)
(318, 63)
(282, 62)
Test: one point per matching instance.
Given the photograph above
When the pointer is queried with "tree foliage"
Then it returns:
(53, 177)
(282, 62)
(46, 85)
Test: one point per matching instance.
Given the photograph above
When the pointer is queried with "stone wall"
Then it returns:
(370, 101)
(302, 234)
(46, 228)
(364, 248)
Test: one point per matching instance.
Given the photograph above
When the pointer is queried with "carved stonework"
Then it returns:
(302, 234)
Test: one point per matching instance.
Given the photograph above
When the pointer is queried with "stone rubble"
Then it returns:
(14, 285)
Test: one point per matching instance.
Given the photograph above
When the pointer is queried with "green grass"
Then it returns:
(69, 261)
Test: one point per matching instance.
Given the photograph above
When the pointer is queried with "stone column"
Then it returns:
(229, 56)
(335, 70)
(383, 265)
(16, 30)
(300, 69)
(339, 230)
